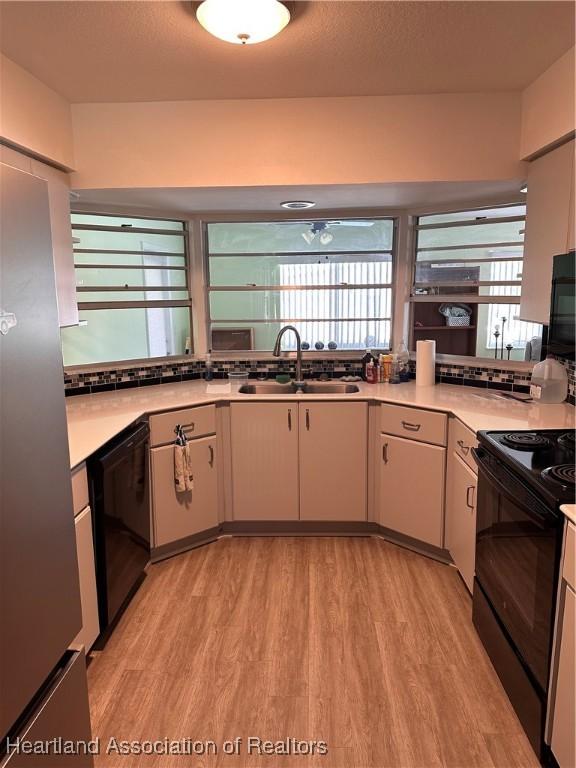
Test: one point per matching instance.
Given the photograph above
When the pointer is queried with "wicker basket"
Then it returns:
(463, 320)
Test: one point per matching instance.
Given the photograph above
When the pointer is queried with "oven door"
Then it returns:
(517, 553)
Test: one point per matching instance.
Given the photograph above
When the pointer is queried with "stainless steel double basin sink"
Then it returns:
(308, 388)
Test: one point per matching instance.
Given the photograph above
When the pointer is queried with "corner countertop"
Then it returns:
(95, 419)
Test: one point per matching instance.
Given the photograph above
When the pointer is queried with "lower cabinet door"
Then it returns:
(563, 742)
(264, 440)
(333, 461)
(461, 517)
(178, 515)
(412, 488)
(87, 573)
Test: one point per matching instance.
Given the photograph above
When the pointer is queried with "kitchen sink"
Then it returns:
(309, 388)
(329, 388)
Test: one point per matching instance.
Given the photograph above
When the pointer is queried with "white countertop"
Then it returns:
(95, 419)
(570, 511)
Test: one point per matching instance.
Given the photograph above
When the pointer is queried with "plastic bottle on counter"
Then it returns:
(403, 357)
(209, 374)
(395, 374)
(387, 365)
(549, 382)
(371, 372)
(366, 360)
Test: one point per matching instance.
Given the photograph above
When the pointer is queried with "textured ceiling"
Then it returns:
(156, 51)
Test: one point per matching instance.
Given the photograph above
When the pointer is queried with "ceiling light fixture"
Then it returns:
(298, 205)
(243, 22)
(524, 188)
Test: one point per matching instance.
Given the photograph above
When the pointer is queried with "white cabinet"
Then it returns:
(563, 735)
(461, 517)
(333, 461)
(461, 482)
(412, 488)
(180, 515)
(87, 574)
(302, 460)
(571, 216)
(61, 229)
(563, 676)
(264, 442)
(548, 212)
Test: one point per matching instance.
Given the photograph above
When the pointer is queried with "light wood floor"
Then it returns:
(349, 640)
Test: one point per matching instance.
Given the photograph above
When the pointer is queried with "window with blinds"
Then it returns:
(132, 288)
(468, 281)
(332, 279)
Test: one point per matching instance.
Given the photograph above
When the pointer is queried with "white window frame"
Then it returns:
(148, 303)
(392, 216)
(411, 250)
(403, 256)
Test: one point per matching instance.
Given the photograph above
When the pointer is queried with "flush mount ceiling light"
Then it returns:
(243, 21)
(298, 205)
(524, 188)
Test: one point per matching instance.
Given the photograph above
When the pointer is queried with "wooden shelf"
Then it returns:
(445, 328)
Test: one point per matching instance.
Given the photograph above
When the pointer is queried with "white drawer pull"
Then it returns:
(185, 427)
(411, 427)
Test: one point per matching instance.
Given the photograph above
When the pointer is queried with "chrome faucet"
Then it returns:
(276, 352)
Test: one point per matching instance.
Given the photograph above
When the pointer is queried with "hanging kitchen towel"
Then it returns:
(183, 476)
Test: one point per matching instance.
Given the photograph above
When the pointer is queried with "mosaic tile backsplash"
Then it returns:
(475, 376)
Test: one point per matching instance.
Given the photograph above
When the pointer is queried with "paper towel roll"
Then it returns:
(425, 363)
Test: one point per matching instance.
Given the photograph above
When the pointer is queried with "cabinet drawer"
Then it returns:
(413, 423)
(461, 441)
(569, 568)
(196, 422)
(79, 488)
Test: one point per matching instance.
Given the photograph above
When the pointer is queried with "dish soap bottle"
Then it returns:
(549, 382)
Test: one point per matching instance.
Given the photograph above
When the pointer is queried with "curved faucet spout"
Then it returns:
(276, 350)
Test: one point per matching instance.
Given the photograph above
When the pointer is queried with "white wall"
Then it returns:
(352, 140)
(548, 108)
(34, 117)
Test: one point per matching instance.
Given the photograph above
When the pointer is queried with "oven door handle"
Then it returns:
(491, 477)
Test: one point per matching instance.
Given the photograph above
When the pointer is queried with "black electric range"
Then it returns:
(544, 458)
(523, 479)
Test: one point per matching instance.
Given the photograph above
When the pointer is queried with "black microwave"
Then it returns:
(561, 340)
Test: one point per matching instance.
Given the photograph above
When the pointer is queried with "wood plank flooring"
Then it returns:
(353, 641)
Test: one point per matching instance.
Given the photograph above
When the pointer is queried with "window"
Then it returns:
(132, 287)
(469, 263)
(332, 279)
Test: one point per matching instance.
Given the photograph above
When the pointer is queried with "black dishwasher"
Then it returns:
(121, 521)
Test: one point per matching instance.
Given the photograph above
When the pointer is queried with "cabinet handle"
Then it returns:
(211, 459)
(468, 504)
(290, 419)
(411, 427)
(464, 448)
(385, 453)
(184, 427)
(307, 419)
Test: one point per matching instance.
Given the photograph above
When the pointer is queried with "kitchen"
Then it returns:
(287, 384)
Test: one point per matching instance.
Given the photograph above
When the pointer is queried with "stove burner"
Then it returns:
(565, 474)
(567, 440)
(526, 441)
